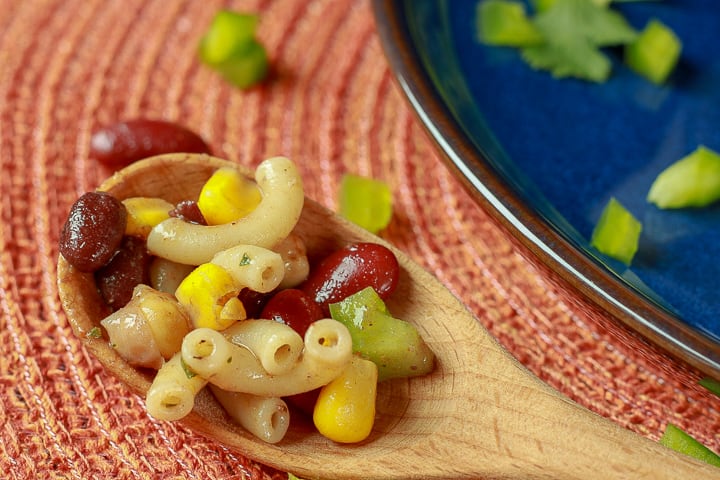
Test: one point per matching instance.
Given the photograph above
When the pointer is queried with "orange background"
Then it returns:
(331, 105)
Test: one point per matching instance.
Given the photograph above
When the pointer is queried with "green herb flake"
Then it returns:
(573, 19)
(94, 332)
(245, 260)
(188, 371)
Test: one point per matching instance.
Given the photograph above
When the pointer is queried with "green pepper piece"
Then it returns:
(711, 384)
(394, 345)
(617, 233)
(366, 202)
(247, 66)
(654, 53)
(229, 46)
(692, 181)
(505, 23)
(680, 441)
(227, 32)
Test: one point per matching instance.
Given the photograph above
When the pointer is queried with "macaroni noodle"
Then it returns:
(131, 337)
(293, 252)
(251, 266)
(265, 417)
(275, 344)
(172, 393)
(166, 275)
(271, 221)
(328, 350)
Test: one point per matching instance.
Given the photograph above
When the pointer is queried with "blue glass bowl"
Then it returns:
(543, 156)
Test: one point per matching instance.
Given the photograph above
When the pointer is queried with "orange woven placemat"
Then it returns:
(331, 105)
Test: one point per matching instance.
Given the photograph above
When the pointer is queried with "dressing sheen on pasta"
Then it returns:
(328, 350)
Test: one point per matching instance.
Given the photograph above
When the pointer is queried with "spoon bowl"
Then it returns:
(480, 414)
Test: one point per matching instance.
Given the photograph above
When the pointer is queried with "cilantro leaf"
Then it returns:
(186, 368)
(574, 31)
(577, 58)
(564, 37)
(573, 19)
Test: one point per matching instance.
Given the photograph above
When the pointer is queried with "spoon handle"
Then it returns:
(512, 425)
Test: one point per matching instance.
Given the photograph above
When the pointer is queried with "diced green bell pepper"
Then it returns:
(711, 384)
(680, 441)
(692, 181)
(229, 47)
(617, 233)
(394, 345)
(505, 23)
(654, 53)
(366, 202)
(227, 32)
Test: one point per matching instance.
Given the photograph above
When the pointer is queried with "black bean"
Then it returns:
(93, 231)
(128, 268)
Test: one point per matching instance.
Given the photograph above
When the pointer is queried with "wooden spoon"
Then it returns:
(480, 414)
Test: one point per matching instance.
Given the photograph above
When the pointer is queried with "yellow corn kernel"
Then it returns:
(228, 196)
(345, 409)
(209, 295)
(144, 213)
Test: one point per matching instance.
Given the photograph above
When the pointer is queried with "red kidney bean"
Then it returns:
(294, 308)
(349, 270)
(128, 268)
(93, 231)
(122, 143)
(188, 211)
(304, 402)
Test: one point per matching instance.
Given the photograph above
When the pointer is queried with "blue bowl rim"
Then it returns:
(538, 238)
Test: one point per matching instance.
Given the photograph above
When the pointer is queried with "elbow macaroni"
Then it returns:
(267, 418)
(328, 350)
(251, 266)
(275, 345)
(172, 393)
(131, 337)
(149, 329)
(271, 221)
(166, 275)
(297, 267)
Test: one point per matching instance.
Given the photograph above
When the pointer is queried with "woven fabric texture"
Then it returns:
(331, 104)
